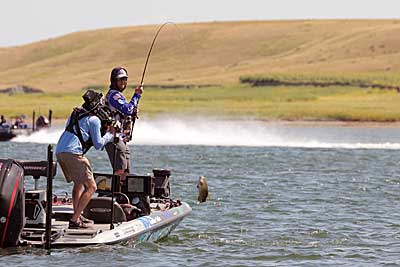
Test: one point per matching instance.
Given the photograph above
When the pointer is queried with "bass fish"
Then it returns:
(203, 189)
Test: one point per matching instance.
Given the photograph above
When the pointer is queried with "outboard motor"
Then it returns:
(12, 202)
(42, 122)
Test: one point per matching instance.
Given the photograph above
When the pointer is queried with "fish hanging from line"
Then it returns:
(203, 189)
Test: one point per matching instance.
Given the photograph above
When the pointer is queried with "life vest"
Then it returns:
(118, 115)
(76, 115)
(126, 121)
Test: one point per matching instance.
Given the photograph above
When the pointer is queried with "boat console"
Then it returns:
(132, 197)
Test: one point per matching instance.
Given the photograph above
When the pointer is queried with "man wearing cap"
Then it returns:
(124, 111)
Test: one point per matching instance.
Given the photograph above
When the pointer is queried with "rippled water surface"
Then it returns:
(285, 205)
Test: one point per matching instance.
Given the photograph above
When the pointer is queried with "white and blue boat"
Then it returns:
(141, 209)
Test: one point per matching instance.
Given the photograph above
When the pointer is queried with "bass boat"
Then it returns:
(11, 129)
(140, 209)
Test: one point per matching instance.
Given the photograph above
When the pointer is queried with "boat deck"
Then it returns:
(161, 221)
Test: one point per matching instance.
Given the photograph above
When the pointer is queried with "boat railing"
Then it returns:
(38, 169)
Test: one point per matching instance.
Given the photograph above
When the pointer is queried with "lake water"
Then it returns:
(280, 196)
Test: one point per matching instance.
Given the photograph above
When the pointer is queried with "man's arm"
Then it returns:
(118, 101)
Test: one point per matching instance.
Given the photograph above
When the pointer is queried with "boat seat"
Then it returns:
(99, 210)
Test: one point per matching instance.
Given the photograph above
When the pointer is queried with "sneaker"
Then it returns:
(85, 220)
(77, 225)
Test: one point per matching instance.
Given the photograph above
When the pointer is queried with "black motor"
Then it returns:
(12, 202)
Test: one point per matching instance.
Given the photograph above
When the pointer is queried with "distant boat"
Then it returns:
(12, 129)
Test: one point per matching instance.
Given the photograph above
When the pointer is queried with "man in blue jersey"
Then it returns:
(83, 130)
(125, 113)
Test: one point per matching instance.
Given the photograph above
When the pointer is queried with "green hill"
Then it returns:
(206, 53)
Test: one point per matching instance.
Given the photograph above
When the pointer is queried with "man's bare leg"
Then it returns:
(122, 174)
(90, 188)
(76, 194)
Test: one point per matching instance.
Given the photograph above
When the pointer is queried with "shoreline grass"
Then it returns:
(302, 103)
(373, 80)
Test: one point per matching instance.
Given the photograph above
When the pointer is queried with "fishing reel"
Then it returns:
(116, 125)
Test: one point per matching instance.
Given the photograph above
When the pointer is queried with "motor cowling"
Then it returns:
(12, 202)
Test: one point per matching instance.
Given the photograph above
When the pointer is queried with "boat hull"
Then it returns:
(153, 227)
(7, 134)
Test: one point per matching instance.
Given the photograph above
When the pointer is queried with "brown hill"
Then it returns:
(205, 53)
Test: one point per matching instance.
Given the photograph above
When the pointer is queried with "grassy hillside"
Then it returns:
(207, 53)
(301, 58)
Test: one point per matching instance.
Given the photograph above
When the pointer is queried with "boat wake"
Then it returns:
(243, 133)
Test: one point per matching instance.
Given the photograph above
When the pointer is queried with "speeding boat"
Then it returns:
(12, 129)
(140, 209)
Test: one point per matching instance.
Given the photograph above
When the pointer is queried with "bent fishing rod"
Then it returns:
(151, 49)
(134, 117)
(145, 68)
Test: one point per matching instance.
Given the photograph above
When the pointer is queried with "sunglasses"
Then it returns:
(124, 79)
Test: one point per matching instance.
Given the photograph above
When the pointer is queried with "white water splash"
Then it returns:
(228, 133)
(46, 136)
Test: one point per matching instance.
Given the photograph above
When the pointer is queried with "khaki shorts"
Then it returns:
(76, 168)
